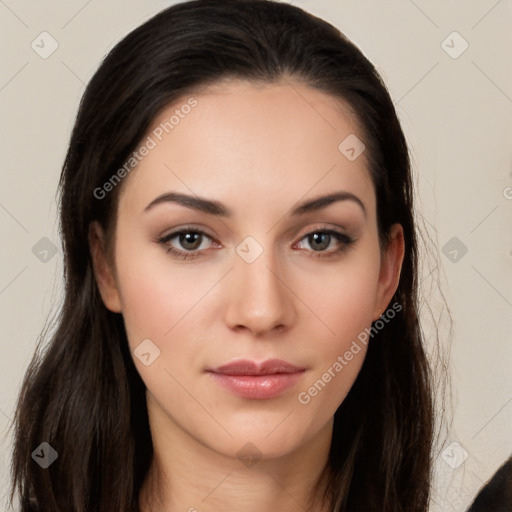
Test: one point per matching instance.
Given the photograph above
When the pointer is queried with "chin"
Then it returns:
(262, 440)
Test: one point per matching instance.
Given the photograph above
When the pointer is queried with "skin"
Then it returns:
(259, 150)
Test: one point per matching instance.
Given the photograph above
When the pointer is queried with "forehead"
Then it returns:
(278, 142)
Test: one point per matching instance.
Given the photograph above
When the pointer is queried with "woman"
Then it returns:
(240, 324)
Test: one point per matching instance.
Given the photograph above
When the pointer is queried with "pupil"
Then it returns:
(317, 236)
(190, 238)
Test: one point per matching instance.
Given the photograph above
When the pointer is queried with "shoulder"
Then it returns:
(496, 495)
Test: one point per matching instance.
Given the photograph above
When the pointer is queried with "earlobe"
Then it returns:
(390, 269)
(103, 271)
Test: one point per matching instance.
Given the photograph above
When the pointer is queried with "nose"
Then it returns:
(258, 298)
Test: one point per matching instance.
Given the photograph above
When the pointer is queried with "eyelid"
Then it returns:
(324, 226)
(200, 229)
(186, 229)
(336, 231)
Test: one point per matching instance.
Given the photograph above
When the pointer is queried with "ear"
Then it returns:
(390, 268)
(103, 271)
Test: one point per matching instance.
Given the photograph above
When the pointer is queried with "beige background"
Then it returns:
(456, 113)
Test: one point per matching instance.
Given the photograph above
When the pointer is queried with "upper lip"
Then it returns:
(247, 367)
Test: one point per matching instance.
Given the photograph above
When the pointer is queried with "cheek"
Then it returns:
(348, 306)
(156, 293)
(345, 305)
(340, 354)
(342, 297)
(158, 296)
(147, 302)
(158, 304)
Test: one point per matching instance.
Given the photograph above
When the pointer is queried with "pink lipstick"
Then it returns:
(257, 381)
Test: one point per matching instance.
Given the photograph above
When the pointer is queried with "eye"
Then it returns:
(190, 242)
(189, 239)
(322, 239)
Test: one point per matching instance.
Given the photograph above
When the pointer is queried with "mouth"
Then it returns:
(257, 381)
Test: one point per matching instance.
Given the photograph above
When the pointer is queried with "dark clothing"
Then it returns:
(496, 495)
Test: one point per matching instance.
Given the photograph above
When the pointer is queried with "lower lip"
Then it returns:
(258, 387)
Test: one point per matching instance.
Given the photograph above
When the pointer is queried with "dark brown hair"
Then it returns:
(83, 395)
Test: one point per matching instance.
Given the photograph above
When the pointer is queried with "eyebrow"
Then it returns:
(216, 208)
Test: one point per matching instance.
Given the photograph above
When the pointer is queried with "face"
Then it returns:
(223, 254)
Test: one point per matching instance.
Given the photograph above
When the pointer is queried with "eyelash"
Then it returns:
(346, 241)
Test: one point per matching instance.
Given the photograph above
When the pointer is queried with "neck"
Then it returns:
(186, 475)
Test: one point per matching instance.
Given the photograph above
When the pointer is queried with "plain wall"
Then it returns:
(456, 113)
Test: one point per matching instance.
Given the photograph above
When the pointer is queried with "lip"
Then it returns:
(257, 381)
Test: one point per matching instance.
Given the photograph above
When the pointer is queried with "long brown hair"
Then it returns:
(83, 395)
